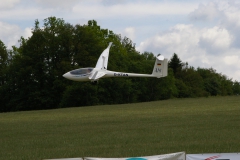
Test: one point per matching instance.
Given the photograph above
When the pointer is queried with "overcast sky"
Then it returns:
(204, 33)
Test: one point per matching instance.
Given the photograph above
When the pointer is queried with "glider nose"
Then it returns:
(66, 75)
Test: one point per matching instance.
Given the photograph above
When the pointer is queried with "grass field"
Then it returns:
(197, 125)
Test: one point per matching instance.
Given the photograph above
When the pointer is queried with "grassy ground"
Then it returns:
(199, 125)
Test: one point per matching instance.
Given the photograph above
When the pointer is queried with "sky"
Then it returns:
(204, 33)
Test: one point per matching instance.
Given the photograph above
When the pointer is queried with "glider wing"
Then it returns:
(96, 75)
(103, 59)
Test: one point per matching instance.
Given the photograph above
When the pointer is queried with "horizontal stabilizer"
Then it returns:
(160, 58)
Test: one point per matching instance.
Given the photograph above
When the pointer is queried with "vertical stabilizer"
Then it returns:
(103, 59)
(160, 68)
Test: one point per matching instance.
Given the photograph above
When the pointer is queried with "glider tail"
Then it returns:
(160, 68)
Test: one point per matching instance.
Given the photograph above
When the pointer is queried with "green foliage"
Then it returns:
(194, 81)
(226, 86)
(236, 88)
(175, 63)
(31, 74)
(167, 86)
(148, 56)
(80, 95)
(36, 69)
(3, 63)
(183, 89)
(216, 83)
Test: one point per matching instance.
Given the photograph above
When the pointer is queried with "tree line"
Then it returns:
(31, 74)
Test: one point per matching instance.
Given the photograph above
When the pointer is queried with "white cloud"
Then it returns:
(27, 32)
(8, 4)
(205, 12)
(205, 48)
(139, 9)
(202, 45)
(10, 34)
(164, 27)
(25, 14)
(215, 39)
(226, 12)
(64, 4)
(179, 39)
(129, 32)
(111, 2)
(232, 60)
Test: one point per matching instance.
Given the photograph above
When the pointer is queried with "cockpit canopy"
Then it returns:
(81, 71)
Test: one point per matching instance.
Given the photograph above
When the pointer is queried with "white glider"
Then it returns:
(160, 69)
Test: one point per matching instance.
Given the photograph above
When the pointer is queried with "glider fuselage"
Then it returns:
(83, 74)
(160, 69)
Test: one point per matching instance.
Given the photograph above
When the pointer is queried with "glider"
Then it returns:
(160, 69)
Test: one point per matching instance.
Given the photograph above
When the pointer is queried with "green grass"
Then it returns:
(197, 125)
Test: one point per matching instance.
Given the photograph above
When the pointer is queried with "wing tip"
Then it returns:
(110, 43)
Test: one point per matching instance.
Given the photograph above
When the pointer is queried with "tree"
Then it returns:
(37, 66)
(148, 55)
(80, 94)
(183, 90)
(226, 85)
(31, 74)
(216, 83)
(236, 88)
(3, 62)
(175, 63)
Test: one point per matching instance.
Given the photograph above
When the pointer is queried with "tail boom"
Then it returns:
(160, 69)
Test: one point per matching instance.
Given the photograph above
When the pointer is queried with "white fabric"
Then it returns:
(213, 156)
(171, 156)
(66, 159)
